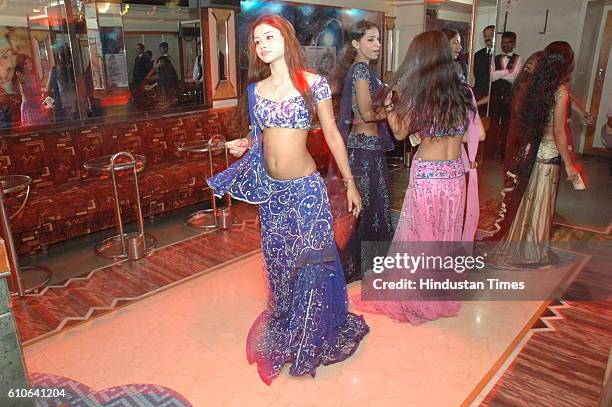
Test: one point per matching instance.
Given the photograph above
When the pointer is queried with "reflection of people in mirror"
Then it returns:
(29, 86)
(62, 87)
(163, 49)
(166, 81)
(454, 37)
(5, 120)
(142, 65)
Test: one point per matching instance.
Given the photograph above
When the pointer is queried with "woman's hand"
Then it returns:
(389, 104)
(354, 199)
(588, 119)
(572, 172)
(237, 147)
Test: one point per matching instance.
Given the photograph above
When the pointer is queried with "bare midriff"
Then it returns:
(440, 148)
(369, 129)
(285, 153)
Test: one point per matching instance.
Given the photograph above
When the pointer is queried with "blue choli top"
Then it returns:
(247, 179)
(290, 113)
(362, 71)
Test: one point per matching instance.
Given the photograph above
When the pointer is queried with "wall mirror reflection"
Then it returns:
(222, 45)
(454, 18)
(37, 77)
(483, 42)
(63, 61)
(222, 53)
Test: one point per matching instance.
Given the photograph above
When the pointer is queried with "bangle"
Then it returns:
(347, 181)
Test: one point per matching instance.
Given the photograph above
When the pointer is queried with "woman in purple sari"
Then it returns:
(306, 322)
(428, 97)
(367, 137)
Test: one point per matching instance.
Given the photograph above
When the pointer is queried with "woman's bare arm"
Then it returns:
(400, 127)
(560, 131)
(336, 145)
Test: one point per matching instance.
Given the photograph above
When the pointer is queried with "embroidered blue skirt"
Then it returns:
(368, 162)
(306, 322)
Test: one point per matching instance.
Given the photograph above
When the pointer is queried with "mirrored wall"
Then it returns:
(465, 22)
(79, 59)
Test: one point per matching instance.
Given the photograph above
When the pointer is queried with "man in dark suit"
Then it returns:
(482, 67)
(506, 67)
(142, 66)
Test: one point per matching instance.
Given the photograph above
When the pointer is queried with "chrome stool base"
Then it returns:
(111, 247)
(34, 278)
(204, 219)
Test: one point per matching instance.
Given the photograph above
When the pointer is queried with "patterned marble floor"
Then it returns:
(79, 299)
(191, 339)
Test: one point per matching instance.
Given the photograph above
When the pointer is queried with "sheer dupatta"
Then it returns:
(246, 179)
(519, 172)
(472, 212)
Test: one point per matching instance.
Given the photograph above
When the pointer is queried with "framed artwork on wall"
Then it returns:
(320, 29)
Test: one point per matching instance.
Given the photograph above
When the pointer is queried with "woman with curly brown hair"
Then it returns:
(540, 112)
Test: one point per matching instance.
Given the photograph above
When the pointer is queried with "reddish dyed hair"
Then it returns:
(294, 57)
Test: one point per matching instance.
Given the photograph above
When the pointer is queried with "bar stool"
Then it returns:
(24, 279)
(134, 245)
(214, 217)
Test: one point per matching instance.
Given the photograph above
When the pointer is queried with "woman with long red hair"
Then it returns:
(306, 322)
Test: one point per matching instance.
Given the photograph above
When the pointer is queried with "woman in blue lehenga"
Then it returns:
(368, 138)
(306, 322)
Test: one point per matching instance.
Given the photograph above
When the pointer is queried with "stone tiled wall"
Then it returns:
(12, 369)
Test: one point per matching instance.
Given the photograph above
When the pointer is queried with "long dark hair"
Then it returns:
(167, 75)
(347, 57)
(532, 103)
(294, 57)
(450, 34)
(428, 91)
(535, 99)
(20, 63)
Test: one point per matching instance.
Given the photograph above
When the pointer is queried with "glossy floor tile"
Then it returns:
(191, 339)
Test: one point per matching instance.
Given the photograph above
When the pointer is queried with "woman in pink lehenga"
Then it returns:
(427, 97)
(30, 87)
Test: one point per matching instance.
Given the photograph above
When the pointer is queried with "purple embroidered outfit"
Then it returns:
(306, 322)
(368, 161)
